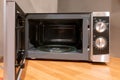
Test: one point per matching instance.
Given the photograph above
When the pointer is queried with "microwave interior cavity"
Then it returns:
(56, 35)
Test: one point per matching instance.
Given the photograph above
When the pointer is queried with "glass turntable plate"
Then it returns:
(57, 48)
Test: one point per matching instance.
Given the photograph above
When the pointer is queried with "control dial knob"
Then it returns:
(100, 42)
(100, 26)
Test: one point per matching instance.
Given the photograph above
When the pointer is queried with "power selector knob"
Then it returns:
(100, 43)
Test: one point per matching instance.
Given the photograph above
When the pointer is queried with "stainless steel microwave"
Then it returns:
(67, 36)
(55, 36)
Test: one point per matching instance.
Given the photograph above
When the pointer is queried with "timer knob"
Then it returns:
(100, 26)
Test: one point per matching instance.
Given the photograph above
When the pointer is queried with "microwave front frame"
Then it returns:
(85, 55)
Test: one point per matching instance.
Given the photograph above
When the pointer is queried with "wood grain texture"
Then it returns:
(64, 70)
(1, 67)
(1, 72)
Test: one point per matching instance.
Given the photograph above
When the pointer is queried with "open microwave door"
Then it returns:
(15, 38)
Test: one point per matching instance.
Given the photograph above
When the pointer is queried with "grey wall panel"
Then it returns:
(45, 6)
(26, 6)
(1, 27)
(115, 28)
(83, 5)
(38, 6)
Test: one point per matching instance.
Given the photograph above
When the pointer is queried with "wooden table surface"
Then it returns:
(1, 73)
(64, 70)
(1, 68)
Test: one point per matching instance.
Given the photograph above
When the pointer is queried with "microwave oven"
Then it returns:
(82, 36)
(67, 36)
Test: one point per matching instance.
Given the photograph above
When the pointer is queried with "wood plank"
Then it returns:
(68, 70)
